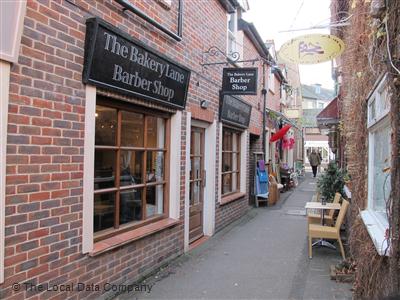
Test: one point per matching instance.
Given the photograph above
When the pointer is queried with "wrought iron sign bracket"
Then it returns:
(232, 58)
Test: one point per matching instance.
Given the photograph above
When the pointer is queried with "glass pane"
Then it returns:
(131, 206)
(196, 168)
(196, 143)
(104, 211)
(372, 112)
(235, 142)
(131, 167)
(155, 166)
(226, 162)
(227, 141)
(235, 165)
(226, 183)
(106, 126)
(104, 169)
(381, 161)
(132, 129)
(154, 200)
(195, 189)
(155, 132)
(231, 22)
(234, 182)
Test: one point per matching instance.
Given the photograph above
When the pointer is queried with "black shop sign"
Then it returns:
(116, 61)
(239, 81)
(234, 111)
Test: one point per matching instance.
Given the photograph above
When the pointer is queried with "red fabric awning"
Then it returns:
(280, 133)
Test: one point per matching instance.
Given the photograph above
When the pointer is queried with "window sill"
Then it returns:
(130, 236)
(376, 231)
(231, 198)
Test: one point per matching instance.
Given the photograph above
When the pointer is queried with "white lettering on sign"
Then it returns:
(133, 79)
(144, 59)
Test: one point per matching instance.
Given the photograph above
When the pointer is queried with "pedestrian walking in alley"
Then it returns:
(314, 162)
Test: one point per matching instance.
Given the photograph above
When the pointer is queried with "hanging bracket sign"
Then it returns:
(116, 61)
(234, 111)
(239, 81)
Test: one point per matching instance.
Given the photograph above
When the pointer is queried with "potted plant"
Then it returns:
(347, 180)
(331, 182)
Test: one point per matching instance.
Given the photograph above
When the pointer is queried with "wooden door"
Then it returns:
(196, 190)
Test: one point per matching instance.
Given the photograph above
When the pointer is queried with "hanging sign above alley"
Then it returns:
(116, 61)
(239, 81)
(311, 49)
(234, 111)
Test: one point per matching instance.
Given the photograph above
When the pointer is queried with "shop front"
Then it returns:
(129, 180)
(234, 119)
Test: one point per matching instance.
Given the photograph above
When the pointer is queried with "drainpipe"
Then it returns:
(264, 93)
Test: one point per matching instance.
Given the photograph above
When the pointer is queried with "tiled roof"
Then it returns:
(308, 91)
(310, 117)
(330, 112)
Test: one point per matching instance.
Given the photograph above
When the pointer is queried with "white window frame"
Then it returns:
(271, 80)
(5, 69)
(88, 168)
(376, 222)
(244, 136)
(232, 35)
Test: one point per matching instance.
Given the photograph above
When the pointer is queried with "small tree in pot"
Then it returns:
(331, 182)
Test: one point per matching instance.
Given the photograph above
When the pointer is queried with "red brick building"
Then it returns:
(114, 157)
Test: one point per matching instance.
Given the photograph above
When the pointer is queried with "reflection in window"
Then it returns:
(155, 166)
(132, 129)
(104, 206)
(381, 161)
(154, 200)
(131, 205)
(106, 125)
(155, 132)
(104, 169)
(129, 167)
(230, 161)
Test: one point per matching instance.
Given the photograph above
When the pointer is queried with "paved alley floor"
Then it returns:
(261, 256)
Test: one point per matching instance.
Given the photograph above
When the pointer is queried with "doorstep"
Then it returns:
(198, 242)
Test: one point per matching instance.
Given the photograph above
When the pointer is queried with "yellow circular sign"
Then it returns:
(311, 49)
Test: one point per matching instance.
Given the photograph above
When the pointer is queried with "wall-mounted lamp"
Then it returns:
(203, 104)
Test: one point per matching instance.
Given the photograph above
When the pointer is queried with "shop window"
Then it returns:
(379, 162)
(129, 169)
(230, 161)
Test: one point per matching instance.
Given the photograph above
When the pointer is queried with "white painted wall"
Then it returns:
(88, 169)
(175, 165)
(4, 98)
(12, 14)
(243, 160)
(210, 167)
(187, 175)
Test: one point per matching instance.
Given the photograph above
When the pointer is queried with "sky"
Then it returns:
(272, 16)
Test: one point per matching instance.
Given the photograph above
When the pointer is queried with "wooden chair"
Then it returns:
(328, 232)
(315, 218)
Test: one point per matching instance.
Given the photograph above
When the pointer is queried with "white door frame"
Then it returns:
(210, 138)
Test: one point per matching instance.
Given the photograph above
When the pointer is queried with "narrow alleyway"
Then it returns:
(263, 256)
